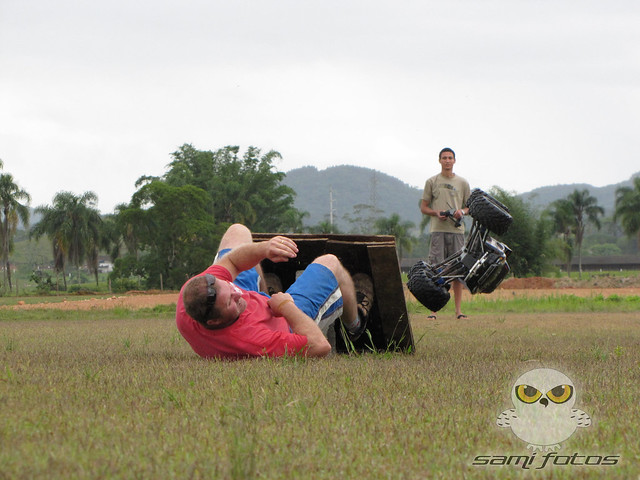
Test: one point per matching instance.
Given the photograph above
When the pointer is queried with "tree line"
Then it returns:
(170, 228)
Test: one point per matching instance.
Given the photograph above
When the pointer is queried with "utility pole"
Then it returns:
(374, 190)
(331, 209)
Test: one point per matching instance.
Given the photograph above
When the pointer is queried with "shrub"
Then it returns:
(43, 282)
(121, 285)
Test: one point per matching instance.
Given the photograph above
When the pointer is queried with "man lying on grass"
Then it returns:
(223, 314)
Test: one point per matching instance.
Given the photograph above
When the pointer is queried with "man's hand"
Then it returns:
(278, 301)
(281, 249)
(248, 255)
(454, 215)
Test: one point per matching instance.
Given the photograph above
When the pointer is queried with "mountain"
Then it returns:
(344, 186)
(543, 196)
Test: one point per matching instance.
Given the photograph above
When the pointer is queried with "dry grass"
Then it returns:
(101, 397)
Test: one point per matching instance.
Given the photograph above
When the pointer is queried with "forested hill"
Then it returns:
(349, 186)
(543, 196)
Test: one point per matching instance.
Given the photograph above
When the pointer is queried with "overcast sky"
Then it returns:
(528, 93)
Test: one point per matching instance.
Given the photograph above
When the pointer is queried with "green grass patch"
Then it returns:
(544, 304)
(105, 394)
(557, 303)
(158, 311)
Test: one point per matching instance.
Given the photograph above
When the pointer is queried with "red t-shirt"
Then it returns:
(256, 333)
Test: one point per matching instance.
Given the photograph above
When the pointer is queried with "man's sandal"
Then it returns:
(432, 316)
(461, 316)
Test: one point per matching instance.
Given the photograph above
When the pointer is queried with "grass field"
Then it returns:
(119, 394)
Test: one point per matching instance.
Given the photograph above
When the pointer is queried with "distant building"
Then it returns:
(605, 263)
(105, 267)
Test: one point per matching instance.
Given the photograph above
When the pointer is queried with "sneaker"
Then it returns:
(364, 298)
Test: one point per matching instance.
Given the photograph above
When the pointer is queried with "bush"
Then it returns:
(79, 290)
(604, 249)
(527, 236)
(121, 285)
(43, 282)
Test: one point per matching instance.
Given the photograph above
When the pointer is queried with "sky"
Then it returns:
(529, 93)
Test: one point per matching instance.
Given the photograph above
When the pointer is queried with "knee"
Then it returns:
(238, 229)
(236, 234)
(239, 233)
(330, 261)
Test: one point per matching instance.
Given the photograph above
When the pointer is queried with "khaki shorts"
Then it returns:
(443, 245)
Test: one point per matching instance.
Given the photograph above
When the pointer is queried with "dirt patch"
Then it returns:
(536, 287)
(133, 302)
(503, 293)
(524, 283)
(597, 281)
(600, 281)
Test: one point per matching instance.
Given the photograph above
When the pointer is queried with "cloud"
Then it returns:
(528, 93)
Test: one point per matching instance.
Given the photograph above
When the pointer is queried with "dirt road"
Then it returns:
(132, 301)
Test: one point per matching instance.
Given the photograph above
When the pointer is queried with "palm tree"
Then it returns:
(73, 226)
(324, 227)
(400, 230)
(628, 208)
(570, 216)
(95, 241)
(12, 210)
(561, 213)
(585, 209)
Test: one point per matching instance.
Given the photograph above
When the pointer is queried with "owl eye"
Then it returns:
(527, 393)
(560, 394)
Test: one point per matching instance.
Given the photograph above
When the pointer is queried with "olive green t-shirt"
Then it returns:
(442, 193)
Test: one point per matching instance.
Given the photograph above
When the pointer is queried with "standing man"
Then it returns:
(442, 192)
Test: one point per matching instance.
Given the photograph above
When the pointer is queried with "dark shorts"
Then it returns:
(315, 291)
(443, 245)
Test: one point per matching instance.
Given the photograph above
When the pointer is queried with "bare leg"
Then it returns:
(345, 283)
(236, 235)
(457, 296)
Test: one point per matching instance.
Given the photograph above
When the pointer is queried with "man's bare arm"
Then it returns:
(244, 257)
(317, 344)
